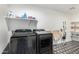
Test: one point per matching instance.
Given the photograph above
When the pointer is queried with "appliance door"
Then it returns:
(45, 43)
(31, 45)
(23, 45)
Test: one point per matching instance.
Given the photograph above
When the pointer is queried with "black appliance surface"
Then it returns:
(34, 30)
(26, 41)
(41, 31)
(23, 42)
(44, 41)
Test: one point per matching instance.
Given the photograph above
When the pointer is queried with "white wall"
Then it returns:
(3, 28)
(47, 19)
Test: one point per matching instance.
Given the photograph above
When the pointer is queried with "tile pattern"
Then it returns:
(71, 47)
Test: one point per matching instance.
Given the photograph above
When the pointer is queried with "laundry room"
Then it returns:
(39, 29)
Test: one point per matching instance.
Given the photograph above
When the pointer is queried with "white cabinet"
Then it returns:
(18, 23)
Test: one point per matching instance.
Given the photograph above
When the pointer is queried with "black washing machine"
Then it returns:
(23, 41)
(44, 41)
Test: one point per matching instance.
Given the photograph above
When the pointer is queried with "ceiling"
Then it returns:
(67, 8)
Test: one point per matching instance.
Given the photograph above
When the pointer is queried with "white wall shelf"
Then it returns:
(22, 19)
(75, 26)
(75, 30)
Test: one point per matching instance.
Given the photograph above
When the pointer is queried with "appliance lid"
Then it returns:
(43, 32)
(23, 34)
(23, 30)
(34, 30)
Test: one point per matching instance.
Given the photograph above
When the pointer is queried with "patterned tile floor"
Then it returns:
(71, 47)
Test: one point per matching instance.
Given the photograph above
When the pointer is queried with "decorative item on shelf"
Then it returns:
(24, 16)
(17, 17)
(31, 18)
(11, 14)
